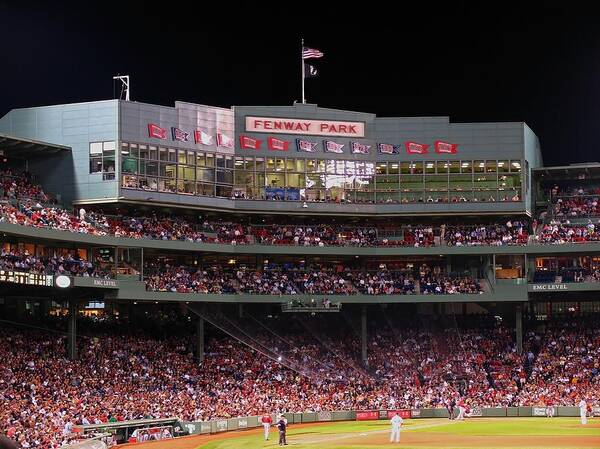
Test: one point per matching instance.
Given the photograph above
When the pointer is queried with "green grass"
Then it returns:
(330, 436)
(516, 426)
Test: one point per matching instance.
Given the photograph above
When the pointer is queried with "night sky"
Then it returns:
(472, 61)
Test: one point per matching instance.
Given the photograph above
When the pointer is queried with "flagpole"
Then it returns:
(302, 68)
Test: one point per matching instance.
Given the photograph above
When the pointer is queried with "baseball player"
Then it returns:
(396, 422)
(583, 411)
(266, 421)
(461, 410)
(549, 409)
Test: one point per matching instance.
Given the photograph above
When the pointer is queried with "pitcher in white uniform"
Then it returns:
(396, 422)
(583, 411)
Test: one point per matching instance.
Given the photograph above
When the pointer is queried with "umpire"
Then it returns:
(282, 427)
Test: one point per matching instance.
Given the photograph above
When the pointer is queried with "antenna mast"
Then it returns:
(125, 80)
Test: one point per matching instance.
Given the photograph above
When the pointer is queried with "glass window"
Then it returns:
(394, 168)
(109, 148)
(311, 166)
(491, 166)
(225, 176)
(95, 164)
(250, 165)
(454, 166)
(415, 167)
(436, 183)
(181, 156)
(167, 185)
(271, 164)
(152, 152)
(300, 165)
(239, 163)
(461, 183)
(515, 166)
(205, 189)
(152, 168)
(167, 170)
(260, 164)
(387, 182)
(381, 168)
(466, 167)
(172, 155)
(129, 165)
(244, 178)
(479, 166)
(279, 164)
(330, 167)
(503, 166)
(186, 172)
(205, 174)
(210, 160)
(143, 152)
(296, 180)
(430, 167)
(163, 155)
(229, 162)
(224, 191)
(95, 148)
(275, 180)
(191, 157)
(442, 166)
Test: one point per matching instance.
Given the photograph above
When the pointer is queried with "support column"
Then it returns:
(519, 327)
(72, 331)
(363, 335)
(240, 310)
(142, 265)
(200, 340)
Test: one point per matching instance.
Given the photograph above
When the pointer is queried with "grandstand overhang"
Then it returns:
(18, 147)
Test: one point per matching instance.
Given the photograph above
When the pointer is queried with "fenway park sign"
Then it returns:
(274, 125)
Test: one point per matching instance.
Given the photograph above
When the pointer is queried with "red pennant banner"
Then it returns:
(445, 147)
(248, 143)
(278, 145)
(156, 131)
(416, 148)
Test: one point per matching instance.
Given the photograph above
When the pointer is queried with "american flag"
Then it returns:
(308, 53)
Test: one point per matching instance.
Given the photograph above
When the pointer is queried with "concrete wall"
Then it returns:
(74, 125)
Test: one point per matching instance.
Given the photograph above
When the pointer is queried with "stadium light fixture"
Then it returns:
(62, 281)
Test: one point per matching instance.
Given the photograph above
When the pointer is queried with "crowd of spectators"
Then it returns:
(292, 279)
(18, 186)
(69, 264)
(567, 366)
(34, 214)
(31, 209)
(511, 233)
(557, 233)
(121, 376)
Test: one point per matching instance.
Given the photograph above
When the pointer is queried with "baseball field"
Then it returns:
(488, 433)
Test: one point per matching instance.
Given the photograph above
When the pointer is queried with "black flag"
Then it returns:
(310, 71)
